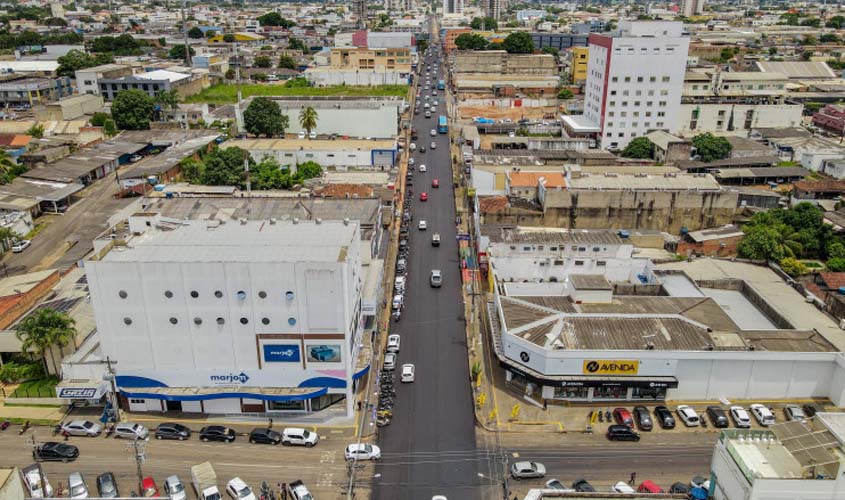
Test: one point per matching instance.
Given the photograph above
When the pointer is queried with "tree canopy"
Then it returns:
(275, 19)
(132, 109)
(484, 23)
(123, 45)
(470, 41)
(518, 43)
(224, 167)
(178, 51)
(195, 32)
(287, 62)
(76, 59)
(639, 147)
(710, 148)
(263, 117)
(308, 118)
(565, 93)
(297, 44)
(45, 328)
(797, 232)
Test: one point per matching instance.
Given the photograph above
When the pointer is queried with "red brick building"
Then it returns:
(831, 117)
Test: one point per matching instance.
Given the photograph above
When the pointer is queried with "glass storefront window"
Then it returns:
(286, 405)
(615, 392)
(571, 392)
(648, 393)
(325, 401)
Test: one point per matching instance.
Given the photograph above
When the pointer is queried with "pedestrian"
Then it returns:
(359, 405)
(633, 478)
(284, 491)
(271, 423)
(545, 405)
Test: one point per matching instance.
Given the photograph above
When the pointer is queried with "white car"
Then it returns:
(312, 135)
(393, 343)
(131, 430)
(173, 486)
(21, 245)
(423, 225)
(363, 451)
(300, 135)
(740, 417)
(82, 428)
(413, 146)
(407, 373)
(423, 168)
(433, 132)
(76, 485)
(411, 162)
(398, 301)
(433, 145)
(239, 490)
(762, 414)
(390, 361)
(688, 416)
(300, 437)
(622, 487)
(33, 481)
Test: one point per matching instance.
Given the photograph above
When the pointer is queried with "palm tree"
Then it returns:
(166, 99)
(6, 165)
(7, 236)
(43, 329)
(308, 119)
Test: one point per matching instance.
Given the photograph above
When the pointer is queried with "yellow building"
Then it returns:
(578, 67)
(239, 37)
(358, 58)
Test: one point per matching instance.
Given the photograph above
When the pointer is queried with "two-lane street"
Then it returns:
(430, 448)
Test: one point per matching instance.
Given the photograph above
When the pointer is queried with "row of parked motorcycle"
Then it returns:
(402, 259)
(387, 393)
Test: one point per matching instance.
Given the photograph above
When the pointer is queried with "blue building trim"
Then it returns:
(225, 395)
(334, 383)
(362, 372)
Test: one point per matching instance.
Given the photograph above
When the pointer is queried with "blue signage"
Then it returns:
(281, 353)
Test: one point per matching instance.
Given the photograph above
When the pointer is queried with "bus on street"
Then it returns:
(442, 125)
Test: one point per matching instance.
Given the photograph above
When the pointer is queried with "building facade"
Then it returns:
(88, 80)
(634, 80)
(29, 92)
(690, 8)
(578, 64)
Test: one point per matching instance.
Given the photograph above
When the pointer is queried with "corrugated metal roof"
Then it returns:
(797, 69)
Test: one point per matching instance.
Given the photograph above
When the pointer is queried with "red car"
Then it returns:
(649, 487)
(623, 417)
(149, 488)
(435, 183)
(423, 196)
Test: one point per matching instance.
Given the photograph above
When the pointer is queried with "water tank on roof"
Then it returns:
(842, 290)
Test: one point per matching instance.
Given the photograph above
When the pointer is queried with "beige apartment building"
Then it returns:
(362, 58)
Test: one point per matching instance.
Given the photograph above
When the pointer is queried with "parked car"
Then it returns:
(623, 417)
(679, 488)
(554, 484)
(643, 418)
(648, 486)
(55, 452)
(82, 428)
(763, 415)
(300, 437)
(664, 417)
(393, 343)
(436, 278)
(810, 410)
(239, 490)
(34, 482)
(107, 486)
(390, 361)
(362, 451)
(527, 470)
(149, 488)
(170, 430)
(794, 412)
(217, 433)
(263, 435)
(130, 430)
(622, 487)
(173, 486)
(688, 416)
(76, 485)
(740, 417)
(622, 432)
(583, 486)
(717, 417)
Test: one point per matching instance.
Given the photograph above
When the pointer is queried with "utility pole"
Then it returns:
(110, 376)
(239, 117)
(185, 34)
(138, 449)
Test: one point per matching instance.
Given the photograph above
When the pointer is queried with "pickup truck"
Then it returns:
(204, 480)
(298, 491)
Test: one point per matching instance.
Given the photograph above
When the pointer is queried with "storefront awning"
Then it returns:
(225, 392)
(611, 381)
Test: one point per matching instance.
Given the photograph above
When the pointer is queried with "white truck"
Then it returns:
(205, 481)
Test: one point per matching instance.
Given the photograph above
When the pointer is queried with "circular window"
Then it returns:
(168, 294)
(218, 294)
(127, 320)
(291, 321)
(241, 295)
(122, 294)
(289, 295)
(173, 321)
(265, 321)
(221, 321)
(244, 321)
(197, 321)
(195, 294)
(262, 294)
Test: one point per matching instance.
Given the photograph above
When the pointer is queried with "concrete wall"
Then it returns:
(501, 63)
(343, 158)
(765, 115)
(358, 78)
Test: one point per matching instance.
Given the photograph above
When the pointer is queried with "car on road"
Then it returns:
(299, 436)
(433, 132)
(408, 373)
(239, 490)
(794, 412)
(263, 435)
(217, 433)
(398, 299)
(527, 470)
(422, 149)
(583, 486)
(763, 415)
(21, 245)
(55, 452)
(107, 486)
(435, 183)
(643, 418)
(393, 342)
(622, 487)
(82, 428)
(173, 486)
(740, 417)
(422, 168)
(435, 240)
(623, 417)
(688, 416)
(170, 430)
(433, 145)
(622, 432)
(554, 484)
(436, 278)
(423, 225)
(76, 485)
(423, 196)
(131, 430)
(362, 451)
(390, 361)
(149, 488)
(717, 417)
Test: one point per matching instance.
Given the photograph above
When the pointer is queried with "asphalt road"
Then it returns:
(430, 447)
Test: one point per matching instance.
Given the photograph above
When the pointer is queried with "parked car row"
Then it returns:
(36, 482)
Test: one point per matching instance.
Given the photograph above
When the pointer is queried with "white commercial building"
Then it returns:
(341, 154)
(690, 8)
(353, 117)
(634, 80)
(232, 317)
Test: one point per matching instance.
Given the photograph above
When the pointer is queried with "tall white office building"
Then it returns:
(453, 6)
(635, 80)
(691, 8)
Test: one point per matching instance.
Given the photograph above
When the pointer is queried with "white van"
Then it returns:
(301, 437)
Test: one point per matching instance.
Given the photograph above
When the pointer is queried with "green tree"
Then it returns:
(829, 38)
(262, 62)
(287, 62)
(710, 148)
(761, 243)
(229, 38)
(263, 117)
(793, 267)
(275, 19)
(470, 41)
(7, 167)
(836, 265)
(297, 44)
(773, 51)
(224, 167)
(551, 51)
(639, 147)
(99, 119)
(308, 170)
(196, 33)
(308, 118)
(268, 174)
(132, 109)
(565, 93)
(76, 59)
(518, 43)
(178, 52)
(110, 127)
(193, 170)
(835, 250)
(165, 99)
(836, 22)
(36, 131)
(422, 45)
(815, 22)
(43, 329)
(484, 23)
(230, 74)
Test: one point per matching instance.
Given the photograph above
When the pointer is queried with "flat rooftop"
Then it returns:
(311, 144)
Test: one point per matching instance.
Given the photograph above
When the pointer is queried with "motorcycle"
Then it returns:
(57, 429)
(601, 416)
(607, 415)
(397, 316)
(5, 425)
(24, 427)
(109, 430)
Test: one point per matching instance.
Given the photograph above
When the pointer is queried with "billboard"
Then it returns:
(323, 353)
(281, 353)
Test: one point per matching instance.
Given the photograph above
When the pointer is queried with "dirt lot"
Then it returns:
(497, 113)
